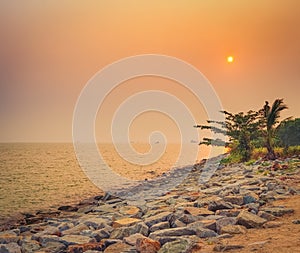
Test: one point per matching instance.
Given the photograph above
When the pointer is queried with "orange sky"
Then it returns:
(50, 49)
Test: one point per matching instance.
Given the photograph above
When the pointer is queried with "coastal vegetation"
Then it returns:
(256, 134)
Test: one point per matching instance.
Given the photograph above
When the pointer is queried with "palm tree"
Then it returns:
(271, 117)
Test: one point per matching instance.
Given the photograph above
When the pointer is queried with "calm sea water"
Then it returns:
(37, 176)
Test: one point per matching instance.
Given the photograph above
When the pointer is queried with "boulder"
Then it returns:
(125, 222)
(160, 217)
(219, 204)
(197, 211)
(10, 248)
(159, 226)
(85, 247)
(233, 229)
(225, 222)
(131, 240)
(173, 232)
(250, 220)
(147, 245)
(278, 211)
(119, 247)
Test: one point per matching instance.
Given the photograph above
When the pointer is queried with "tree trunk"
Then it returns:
(271, 154)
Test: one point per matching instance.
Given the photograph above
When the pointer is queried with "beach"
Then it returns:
(242, 208)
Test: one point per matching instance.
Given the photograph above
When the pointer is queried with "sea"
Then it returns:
(39, 176)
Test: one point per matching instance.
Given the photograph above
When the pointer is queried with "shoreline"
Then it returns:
(237, 199)
(141, 186)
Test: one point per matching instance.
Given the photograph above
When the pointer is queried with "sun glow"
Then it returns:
(230, 59)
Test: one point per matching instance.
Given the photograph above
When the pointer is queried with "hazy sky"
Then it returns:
(50, 49)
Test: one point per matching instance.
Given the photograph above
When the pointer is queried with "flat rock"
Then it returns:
(177, 246)
(250, 220)
(30, 246)
(101, 233)
(8, 236)
(120, 247)
(278, 211)
(131, 240)
(233, 229)
(55, 247)
(44, 239)
(132, 211)
(267, 216)
(172, 232)
(234, 199)
(225, 222)
(188, 218)
(159, 226)
(205, 233)
(76, 239)
(210, 224)
(147, 245)
(125, 222)
(160, 217)
(198, 211)
(219, 204)
(95, 222)
(85, 247)
(120, 233)
(104, 209)
(227, 247)
(272, 224)
(75, 230)
(228, 212)
(249, 199)
(10, 248)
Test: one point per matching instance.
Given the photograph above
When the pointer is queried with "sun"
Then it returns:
(230, 59)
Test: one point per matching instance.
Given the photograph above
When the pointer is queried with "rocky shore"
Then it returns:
(235, 200)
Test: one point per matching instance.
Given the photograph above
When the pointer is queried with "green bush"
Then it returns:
(232, 158)
(258, 153)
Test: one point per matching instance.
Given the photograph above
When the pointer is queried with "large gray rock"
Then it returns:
(95, 222)
(205, 233)
(75, 230)
(120, 247)
(250, 220)
(44, 239)
(201, 231)
(249, 199)
(8, 236)
(278, 211)
(177, 246)
(10, 248)
(101, 233)
(227, 247)
(233, 229)
(76, 239)
(161, 217)
(266, 215)
(188, 218)
(159, 226)
(235, 199)
(131, 240)
(219, 204)
(120, 233)
(225, 222)
(147, 245)
(29, 246)
(53, 247)
(173, 232)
